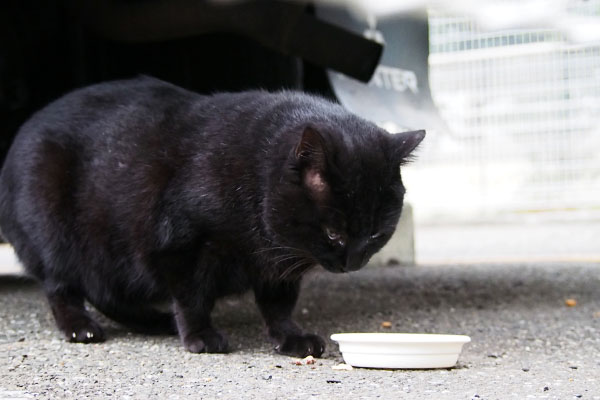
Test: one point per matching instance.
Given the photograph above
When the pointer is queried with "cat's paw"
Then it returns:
(302, 346)
(85, 332)
(207, 341)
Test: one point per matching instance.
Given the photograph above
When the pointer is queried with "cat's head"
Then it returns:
(339, 194)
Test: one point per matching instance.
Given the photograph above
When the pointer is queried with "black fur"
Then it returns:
(134, 192)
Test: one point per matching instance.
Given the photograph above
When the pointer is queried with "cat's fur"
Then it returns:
(134, 192)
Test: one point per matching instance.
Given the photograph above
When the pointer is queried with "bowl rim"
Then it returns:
(398, 337)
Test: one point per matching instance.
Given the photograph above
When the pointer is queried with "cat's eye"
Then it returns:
(335, 236)
(332, 234)
(376, 236)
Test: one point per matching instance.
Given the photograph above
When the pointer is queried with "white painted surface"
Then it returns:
(401, 247)
(9, 264)
(557, 241)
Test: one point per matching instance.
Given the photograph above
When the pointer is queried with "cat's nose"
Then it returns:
(354, 261)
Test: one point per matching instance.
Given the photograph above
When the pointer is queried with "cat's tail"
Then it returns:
(139, 318)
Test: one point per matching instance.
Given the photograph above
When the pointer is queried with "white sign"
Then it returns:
(397, 79)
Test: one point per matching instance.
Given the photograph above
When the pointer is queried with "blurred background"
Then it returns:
(509, 92)
(517, 174)
(522, 107)
(510, 168)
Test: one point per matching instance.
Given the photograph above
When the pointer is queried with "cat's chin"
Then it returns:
(335, 268)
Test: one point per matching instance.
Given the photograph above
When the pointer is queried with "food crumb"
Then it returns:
(306, 360)
(386, 324)
(309, 360)
(570, 302)
(342, 367)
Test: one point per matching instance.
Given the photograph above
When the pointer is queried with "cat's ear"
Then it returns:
(311, 148)
(405, 143)
(311, 152)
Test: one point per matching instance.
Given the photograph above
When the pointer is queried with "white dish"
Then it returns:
(400, 350)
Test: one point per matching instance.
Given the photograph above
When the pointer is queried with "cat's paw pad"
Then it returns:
(207, 341)
(86, 332)
(302, 346)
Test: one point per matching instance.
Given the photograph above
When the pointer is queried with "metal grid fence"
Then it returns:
(523, 108)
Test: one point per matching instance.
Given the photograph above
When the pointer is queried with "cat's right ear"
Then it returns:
(405, 143)
(311, 153)
(311, 148)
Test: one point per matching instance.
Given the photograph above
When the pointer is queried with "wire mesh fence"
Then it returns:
(523, 112)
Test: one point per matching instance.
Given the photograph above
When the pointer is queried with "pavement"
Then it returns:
(526, 341)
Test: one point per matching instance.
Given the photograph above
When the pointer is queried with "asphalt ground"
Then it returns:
(526, 341)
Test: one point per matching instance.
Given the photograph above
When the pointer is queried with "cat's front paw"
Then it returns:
(302, 346)
(85, 331)
(206, 341)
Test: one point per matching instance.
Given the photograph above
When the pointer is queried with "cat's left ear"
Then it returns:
(311, 152)
(405, 143)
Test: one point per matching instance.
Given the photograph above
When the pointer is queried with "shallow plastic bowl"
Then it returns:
(400, 350)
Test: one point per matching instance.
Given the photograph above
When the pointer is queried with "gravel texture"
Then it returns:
(526, 341)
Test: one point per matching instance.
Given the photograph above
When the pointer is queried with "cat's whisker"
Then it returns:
(302, 259)
(303, 262)
(267, 249)
(284, 259)
(298, 266)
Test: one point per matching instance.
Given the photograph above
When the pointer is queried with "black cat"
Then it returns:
(134, 192)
